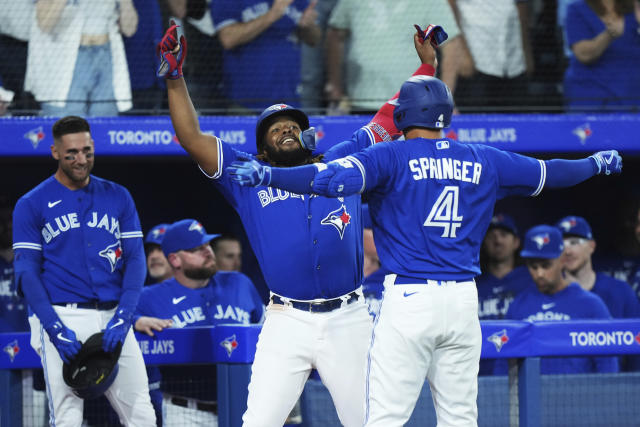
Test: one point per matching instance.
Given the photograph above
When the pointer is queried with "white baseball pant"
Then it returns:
(425, 330)
(128, 395)
(292, 342)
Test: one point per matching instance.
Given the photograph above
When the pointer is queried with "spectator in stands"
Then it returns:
(603, 36)
(376, 31)
(80, 44)
(147, 90)
(6, 97)
(197, 295)
(158, 268)
(498, 39)
(228, 252)
(556, 298)
(618, 296)
(14, 37)
(253, 34)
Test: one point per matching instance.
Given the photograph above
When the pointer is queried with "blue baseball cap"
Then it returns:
(543, 241)
(575, 226)
(156, 234)
(505, 222)
(185, 234)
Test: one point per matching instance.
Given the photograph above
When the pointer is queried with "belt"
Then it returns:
(195, 404)
(406, 280)
(317, 306)
(96, 305)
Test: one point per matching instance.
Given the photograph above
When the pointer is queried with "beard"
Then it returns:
(287, 158)
(200, 273)
(74, 176)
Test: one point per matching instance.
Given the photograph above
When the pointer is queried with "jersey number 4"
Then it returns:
(444, 212)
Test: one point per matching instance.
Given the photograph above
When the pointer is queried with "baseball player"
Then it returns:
(309, 250)
(158, 268)
(80, 264)
(197, 295)
(556, 297)
(228, 251)
(431, 201)
(617, 295)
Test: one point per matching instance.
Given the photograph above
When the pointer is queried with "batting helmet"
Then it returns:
(93, 370)
(425, 102)
(276, 110)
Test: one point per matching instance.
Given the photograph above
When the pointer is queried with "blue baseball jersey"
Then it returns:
(617, 295)
(79, 237)
(244, 79)
(229, 297)
(13, 309)
(571, 303)
(448, 187)
(495, 295)
(308, 246)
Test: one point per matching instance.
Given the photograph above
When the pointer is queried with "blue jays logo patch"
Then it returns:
(499, 339)
(339, 218)
(541, 240)
(35, 136)
(12, 349)
(568, 224)
(112, 253)
(195, 225)
(229, 344)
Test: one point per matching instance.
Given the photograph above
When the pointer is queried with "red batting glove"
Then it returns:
(171, 60)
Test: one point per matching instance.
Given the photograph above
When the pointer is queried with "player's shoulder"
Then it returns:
(579, 295)
(107, 185)
(612, 284)
(231, 278)
(41, 190)
(157, 289)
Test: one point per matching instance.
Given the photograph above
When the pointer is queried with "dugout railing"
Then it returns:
(524, 397)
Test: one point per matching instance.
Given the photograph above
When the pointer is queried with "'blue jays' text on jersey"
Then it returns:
(78, 236)
(571, 303)
(13, 309)
(495, 295)
(229, 297)
(448, 187)
(307, 246)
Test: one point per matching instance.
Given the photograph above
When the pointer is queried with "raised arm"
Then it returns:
(203, 148)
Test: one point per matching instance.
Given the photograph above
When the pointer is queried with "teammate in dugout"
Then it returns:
(556, 297)
(80, 263)
(309, 250)
(197, 295)
(431, 200)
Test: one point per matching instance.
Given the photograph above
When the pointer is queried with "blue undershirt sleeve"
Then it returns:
(566, 173)
(31, 285)
(134, 274)
(296, 180)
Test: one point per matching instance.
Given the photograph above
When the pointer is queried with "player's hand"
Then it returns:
(172, 53)
(340, 178)
(614, 26)
(279, 8)
(116, 330)
(309, 16)
(149, 324)
(608, 162)
(249, 173)
(65, 341)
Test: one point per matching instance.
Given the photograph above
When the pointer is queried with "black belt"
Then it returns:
(96, 305)
(201, 406)
(317, 306)
(406, 280)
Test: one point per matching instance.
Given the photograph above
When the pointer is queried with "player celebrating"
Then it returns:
(309, 250)
(80, 263)
(431, 201)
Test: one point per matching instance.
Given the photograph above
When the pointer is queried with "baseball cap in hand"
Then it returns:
(185, 234)
(505, 222)
(156, 234)
(575, 226)
(542, 241)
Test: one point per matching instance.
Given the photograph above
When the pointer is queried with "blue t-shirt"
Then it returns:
(265, 70)
(13, 309)
(307, 246)
(618, 296)
(81, 238)
(450, 189)
(229, 297)
(495, 295)
(140, 48)
(613, 75)
(571, 303)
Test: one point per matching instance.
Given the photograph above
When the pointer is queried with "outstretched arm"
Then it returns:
(200, 146)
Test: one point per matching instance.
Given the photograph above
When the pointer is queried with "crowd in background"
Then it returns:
(98, 58)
